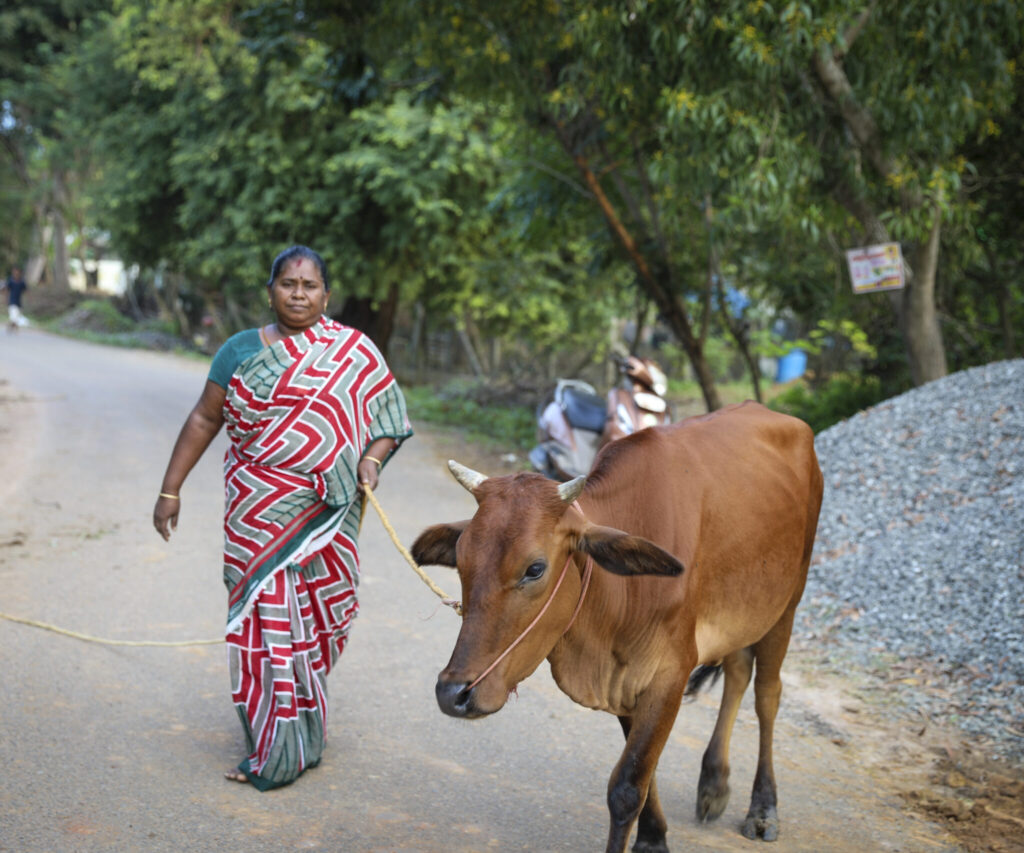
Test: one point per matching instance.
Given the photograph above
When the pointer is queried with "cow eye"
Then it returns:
(534, 571)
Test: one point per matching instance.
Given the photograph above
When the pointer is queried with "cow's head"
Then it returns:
(510, 555)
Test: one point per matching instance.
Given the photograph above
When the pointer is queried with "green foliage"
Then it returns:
(95, 315)
(683, 103)
(494, 424)
(41, 155)
(427, 146)
(841, 397)
(100, 321)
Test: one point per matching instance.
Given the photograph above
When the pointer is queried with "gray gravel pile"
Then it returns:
(919, 562)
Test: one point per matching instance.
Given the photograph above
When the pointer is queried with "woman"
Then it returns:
(313, 414)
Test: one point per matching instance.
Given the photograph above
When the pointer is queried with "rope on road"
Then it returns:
(90, 639)
(451, 602)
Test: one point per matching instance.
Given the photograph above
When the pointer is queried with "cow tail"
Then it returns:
(700, 675)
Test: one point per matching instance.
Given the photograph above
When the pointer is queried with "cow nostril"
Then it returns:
(453, 697)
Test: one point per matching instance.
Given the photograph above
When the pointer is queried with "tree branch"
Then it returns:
(858, 118)
(652, 211)
(665, 300)
(855, 29)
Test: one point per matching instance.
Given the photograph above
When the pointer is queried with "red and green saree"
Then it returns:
(299, 414)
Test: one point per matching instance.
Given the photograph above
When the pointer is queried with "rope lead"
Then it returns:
(450, 602)
(88, 638)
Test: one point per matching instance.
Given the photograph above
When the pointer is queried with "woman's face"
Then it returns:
(298, 296)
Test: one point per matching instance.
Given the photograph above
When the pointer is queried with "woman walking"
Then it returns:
(313, 414)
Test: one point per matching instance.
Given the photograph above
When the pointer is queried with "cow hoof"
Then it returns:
(650, 846)
(764, 825)
(711, 803)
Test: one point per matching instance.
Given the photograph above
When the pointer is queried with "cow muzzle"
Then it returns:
(456, 699)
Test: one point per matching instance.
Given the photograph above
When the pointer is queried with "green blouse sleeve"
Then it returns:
(232, 353)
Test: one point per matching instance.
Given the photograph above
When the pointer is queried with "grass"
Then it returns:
(494, 426)
(687, 399)
(98, 321)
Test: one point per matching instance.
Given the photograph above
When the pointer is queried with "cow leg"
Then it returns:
(762, 819)
(651, 825)
(713, 789)
(632, 779)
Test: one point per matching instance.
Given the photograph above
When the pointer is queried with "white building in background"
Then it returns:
(108, 276)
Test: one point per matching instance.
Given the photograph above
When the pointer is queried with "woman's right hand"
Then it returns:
(165, 516)
(201, 425)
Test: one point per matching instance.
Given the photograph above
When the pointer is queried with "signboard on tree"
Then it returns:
(875, 268)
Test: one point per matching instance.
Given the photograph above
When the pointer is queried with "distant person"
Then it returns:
(313, 414)
(15, 287)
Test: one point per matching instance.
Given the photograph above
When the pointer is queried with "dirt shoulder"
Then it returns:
(938, 772)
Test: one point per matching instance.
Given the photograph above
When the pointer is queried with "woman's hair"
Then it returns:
(298, 252)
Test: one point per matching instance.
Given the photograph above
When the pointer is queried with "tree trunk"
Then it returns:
(418, 344)
(61, 263)
(467, 347)
(1006, 306)
(641, 322)
(916, 309)
(175, 280)
(656, 285)
(739, 329)
(42, 232)
(1004, 303)
(386, 320)
(477, 344)
(914, 306)
(925, 350)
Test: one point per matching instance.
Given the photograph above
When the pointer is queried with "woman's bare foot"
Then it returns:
(236, 775)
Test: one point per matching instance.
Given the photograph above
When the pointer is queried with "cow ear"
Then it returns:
(623, 554)
(435, 546)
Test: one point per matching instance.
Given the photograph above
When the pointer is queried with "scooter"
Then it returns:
(574, 422)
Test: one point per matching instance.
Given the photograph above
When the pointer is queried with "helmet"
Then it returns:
(647, 373)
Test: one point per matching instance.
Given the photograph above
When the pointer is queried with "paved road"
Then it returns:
(106, 748)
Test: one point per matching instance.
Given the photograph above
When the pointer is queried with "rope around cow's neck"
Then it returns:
(457, 606)
(537, 618)
(587, 572)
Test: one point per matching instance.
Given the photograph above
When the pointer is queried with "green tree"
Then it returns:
(227, 137)
(898, 128)
(983, 276)
(792, 115)
(43, 162)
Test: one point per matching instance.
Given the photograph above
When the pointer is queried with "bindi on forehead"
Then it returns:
(302, 272)
(300, 268)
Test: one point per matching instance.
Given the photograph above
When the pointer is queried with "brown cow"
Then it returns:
(733, 497)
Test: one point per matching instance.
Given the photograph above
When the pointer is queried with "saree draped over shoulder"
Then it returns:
(299, 415)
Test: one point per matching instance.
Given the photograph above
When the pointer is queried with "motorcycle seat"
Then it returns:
(583, 410)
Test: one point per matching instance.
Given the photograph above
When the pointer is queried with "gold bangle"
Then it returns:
(373, 459)
(172, 497)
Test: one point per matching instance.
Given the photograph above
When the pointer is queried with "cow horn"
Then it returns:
(568, 492)
(467, 476)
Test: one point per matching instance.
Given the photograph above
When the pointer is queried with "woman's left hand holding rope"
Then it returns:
(369, 466)
(368, 473)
